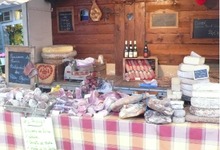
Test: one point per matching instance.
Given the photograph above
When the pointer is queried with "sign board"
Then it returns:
(200, 74)
(164, 19)
(65, 19)
(38, 133)
(16, 58)
(205, 28)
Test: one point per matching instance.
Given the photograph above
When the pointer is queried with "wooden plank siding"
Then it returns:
(107, 36)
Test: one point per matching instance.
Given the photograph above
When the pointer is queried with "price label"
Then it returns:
(38, 133)
(200, 74)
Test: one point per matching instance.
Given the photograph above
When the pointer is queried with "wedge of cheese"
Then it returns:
(194, 60)
(188, 67)
(54, 49)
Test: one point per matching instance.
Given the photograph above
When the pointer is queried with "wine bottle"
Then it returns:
(146, 50)
(126, 50)
(135, 52)
(130, 55)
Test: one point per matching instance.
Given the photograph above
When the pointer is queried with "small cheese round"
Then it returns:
(54, 49)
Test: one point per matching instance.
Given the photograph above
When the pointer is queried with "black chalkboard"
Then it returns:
(16, 63)
(205, 28)
(65, 21)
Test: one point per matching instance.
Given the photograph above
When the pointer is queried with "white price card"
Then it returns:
(38, 133)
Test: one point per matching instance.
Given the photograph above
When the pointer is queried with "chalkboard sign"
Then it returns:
(16, 64)
(17, 57)
(65, 20)
(164, 19)
(205, 28)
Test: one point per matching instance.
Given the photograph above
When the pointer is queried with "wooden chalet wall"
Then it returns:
(107, 36)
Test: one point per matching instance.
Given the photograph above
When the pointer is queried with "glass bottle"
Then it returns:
(130, 55)
(135, 52)
(126, 50)
(146, 50)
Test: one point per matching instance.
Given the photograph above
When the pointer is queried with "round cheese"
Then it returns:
(58, 55)
(54, 49)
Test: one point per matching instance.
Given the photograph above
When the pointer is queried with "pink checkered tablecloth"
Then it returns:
(112, 133)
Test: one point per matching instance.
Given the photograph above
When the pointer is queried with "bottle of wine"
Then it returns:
(130, 55)
(126, 49)
(146, 50)
(135, 52)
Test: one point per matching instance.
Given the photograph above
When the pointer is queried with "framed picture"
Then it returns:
(65, 19)
(164, 19)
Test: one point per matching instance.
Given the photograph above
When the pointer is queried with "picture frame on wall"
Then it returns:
(65, 19)
(164, 19)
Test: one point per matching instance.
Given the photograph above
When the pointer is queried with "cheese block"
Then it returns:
(186, 86)
(175, 80)
(192, 81)
(54, 49)
(194, 60)
(204, 94)
(206, 86)
(178, 119)
(205, 102)
(194, 54)
(193, 118)
(59, 55)
(185, 74)
(179, 113)
(204, 112)
(174, 94)
(188, 67)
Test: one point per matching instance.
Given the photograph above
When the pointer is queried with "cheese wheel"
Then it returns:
(58, 56)
(58, 49)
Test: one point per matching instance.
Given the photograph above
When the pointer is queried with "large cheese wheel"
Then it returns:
(58, 55)
(54, 49)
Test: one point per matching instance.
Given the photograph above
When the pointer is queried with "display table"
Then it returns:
(112, 133)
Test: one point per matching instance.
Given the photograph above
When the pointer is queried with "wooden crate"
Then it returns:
(153, 61)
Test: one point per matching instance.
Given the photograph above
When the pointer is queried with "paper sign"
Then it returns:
(38, 133)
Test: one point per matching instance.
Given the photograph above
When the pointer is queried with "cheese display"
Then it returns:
(46, 73)
(54, 49)
(56, 53)
(193, 60)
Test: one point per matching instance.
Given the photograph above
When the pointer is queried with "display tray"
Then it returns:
(29, 110)
(140, 68)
